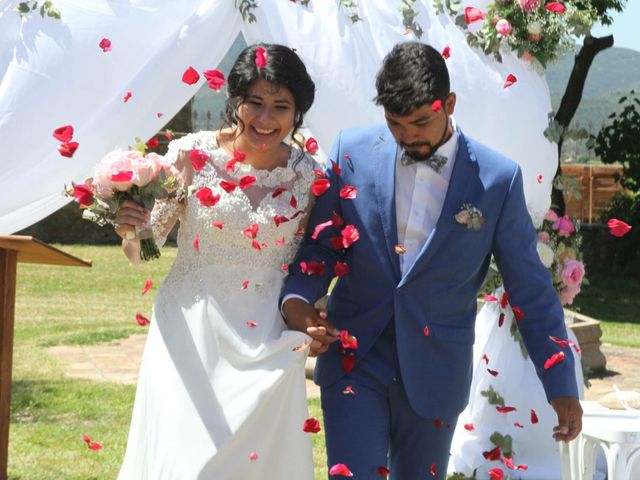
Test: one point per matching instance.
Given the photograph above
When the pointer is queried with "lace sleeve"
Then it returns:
(166, 212)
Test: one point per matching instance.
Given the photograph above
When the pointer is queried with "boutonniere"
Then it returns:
(470, 216)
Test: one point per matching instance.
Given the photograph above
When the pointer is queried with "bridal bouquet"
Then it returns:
(127, 175)
(559, 250)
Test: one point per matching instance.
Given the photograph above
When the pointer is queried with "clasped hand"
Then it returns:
(313, 321)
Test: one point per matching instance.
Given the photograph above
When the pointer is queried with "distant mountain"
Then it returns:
(614, 72)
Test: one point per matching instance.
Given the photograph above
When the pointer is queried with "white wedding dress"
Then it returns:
(221, 392)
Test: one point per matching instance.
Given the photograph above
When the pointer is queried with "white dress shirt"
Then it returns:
(420, 193)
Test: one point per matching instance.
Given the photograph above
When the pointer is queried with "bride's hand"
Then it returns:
(130, 216)
(306, 318)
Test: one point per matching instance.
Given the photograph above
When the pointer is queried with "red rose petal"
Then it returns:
(311, 145)
(278, 219)
(348, 341)
(86, 438)
(127, 96)
(505, 409)
(470, 427)
(207, 198)
(142, 320)
(348, 361)
(383, 472)
(493, 373)
(196, 242)
(340, 469)
(350, 235)
(261, 57)
(218, 225)
(63, 134)
(490, 298)
(518, 424)
(555, 7)
(320, 186)
(105, 45)
(493, 455)
(147, 286)
(501, 319)
(190, 76)
(436, 106)
(245, 285)
(505, 300)
(215, 79)
(278, 191)
(228, 186)
(534, 417)
(68, 149)
(252, 324)
(539, 178)
(618, 228)
(319, 228)
(337, 220)
(348, 390)
(446, 52)
(509, 464)
(313, 267)
(340, 269)
(251, 231)
(472, 14)
(555, 359)
(426, 331)
(95, 446)
(253, 456)
(247, 181)
(336, 169)
(485, 358)
(348, 192)
(293, 202)
(517, 313)
(496, 474)
(511, 79)
(279, 243)
(433, 471)
(311, 425)
(83, 194)
(198, 159)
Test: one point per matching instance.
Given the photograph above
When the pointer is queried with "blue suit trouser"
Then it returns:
(376, 427)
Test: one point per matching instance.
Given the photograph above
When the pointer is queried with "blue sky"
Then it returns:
(624, 27)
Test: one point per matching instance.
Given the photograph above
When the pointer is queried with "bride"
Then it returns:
(221, 391)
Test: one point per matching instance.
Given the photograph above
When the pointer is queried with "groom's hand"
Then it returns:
(313, 321)
(569, 414)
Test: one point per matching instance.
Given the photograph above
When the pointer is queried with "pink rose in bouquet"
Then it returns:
(572, 273)
(564, 225)
(128, 175)
(146, 169)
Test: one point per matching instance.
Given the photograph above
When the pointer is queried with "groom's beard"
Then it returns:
(416, 156)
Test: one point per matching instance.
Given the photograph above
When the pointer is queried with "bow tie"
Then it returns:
(436, 162)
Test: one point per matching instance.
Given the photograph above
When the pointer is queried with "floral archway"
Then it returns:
(54, 72)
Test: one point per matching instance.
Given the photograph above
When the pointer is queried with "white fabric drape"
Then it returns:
(53, 73)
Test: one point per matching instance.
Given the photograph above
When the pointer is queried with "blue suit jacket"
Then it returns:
(439, 290)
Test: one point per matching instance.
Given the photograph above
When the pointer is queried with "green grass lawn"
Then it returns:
(49, 412)
(55, 305)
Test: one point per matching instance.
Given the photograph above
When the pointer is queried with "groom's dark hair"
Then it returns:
(412, 75)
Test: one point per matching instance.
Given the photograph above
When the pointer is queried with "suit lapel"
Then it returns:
(464, 171)
(385, 180)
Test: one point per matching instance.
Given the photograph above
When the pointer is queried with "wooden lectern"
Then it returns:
(14, 249)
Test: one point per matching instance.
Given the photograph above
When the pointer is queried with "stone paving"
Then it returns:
(119, 362)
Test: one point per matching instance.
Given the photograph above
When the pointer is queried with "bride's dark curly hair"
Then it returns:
(283, 68)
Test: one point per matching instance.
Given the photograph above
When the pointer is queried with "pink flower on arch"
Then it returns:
(564, 225)
(572, 273)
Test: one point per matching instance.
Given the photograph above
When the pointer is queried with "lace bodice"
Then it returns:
(246, 230)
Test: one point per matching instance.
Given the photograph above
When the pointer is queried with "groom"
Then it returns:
(432, 206)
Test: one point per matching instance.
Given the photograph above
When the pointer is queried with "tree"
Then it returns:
(572, 96)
